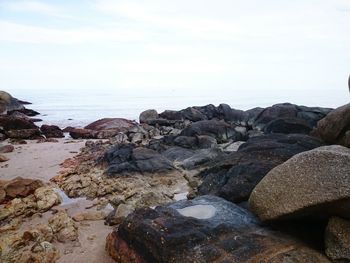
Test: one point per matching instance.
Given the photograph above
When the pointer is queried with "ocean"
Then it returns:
(79, 107)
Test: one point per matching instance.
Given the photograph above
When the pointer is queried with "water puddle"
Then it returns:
(198, 211)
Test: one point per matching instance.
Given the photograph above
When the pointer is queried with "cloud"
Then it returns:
(30, 6)
(13, 32)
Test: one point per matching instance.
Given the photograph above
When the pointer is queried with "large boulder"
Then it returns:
(77, 133)
(148, 115)
(288, 125)
(312, 184)
(24, 134)
(235, 176)
(9, 103)
(19, 187)
(337, 240)
(51, 131)
(333, 128)
(206, 229)
(16, 123)
(220, 130)
(311, 115)
(125, 158)
(122, 125)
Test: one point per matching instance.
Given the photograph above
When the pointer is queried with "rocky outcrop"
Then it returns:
(337, 240)
(51, 131)
(219, 130)
(236, 175)
(119, 124)
(206, 229)
(288, 125)
(18, 188)
(8, 103)
(148, 115)
(335, 127)
(127, 159)
(19, 128)
(312, 184)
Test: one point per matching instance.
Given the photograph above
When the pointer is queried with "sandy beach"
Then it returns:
(42, 161)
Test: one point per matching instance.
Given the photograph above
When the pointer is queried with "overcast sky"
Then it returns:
(175, 44)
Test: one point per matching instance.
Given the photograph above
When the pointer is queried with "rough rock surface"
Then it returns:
(288, 125)
(6, 148)
(236, 175)
(125, 159)
(9, 103)
(337, 240)
(333, 128)
(220, 130)
(51, 131)
(111, 124)
(313, 184)
(148, 115)
(206, 229)
(18, 187)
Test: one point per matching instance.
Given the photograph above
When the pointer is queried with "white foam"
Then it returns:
(198, 211)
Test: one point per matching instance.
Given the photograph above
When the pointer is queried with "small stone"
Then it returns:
(89, 216)
(3, 158)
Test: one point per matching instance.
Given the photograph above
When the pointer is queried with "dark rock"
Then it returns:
(210, 111)
(337, 240)
(186, 142)
(288, 125)
(78, 133)
(206, 229)
(25, 134)
(178, 153)
(51, 131)
(220, 130)
(68, 129)
(16, 123)
(232, 115)
(236, 175)
(205, 142)
(171, 115)
(148, 115)
(333, 128)
(127, 159)
(27, 112)
(201, 157)
(193, 114)
(18, 114)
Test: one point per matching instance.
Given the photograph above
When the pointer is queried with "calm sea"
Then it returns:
(80, 107)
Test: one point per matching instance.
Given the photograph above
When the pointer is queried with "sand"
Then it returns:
(38, 160)
(42, 161)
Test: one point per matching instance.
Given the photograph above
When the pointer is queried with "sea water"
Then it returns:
(80, 107)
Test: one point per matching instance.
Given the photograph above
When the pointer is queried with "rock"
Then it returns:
(20, 187)
(312, 184)
(210, 111)
(8, 103)
(51, 131)
(127, 159)
(118, 215)
(3, 158)
(202, 157)
(78, 133)
(232, 147)
(232, 115)
(147, 115)
(205, 142)
(64, 227)
(206, 229)
(220, 130)
(235, 176)
(186, 141)
(178, 154)
(121, 138)
(16, 123)
(46, 198)
(90, 216)
(311, 115)
(333, 128)
(18, 114)
(136, 137)
(119, 124)
(337, 240)
(288, 125)
(26, 134)
(192, 114)
(7, 148)
(171, 115)
(68, 129)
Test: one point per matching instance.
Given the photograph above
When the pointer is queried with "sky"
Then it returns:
(186, 45)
